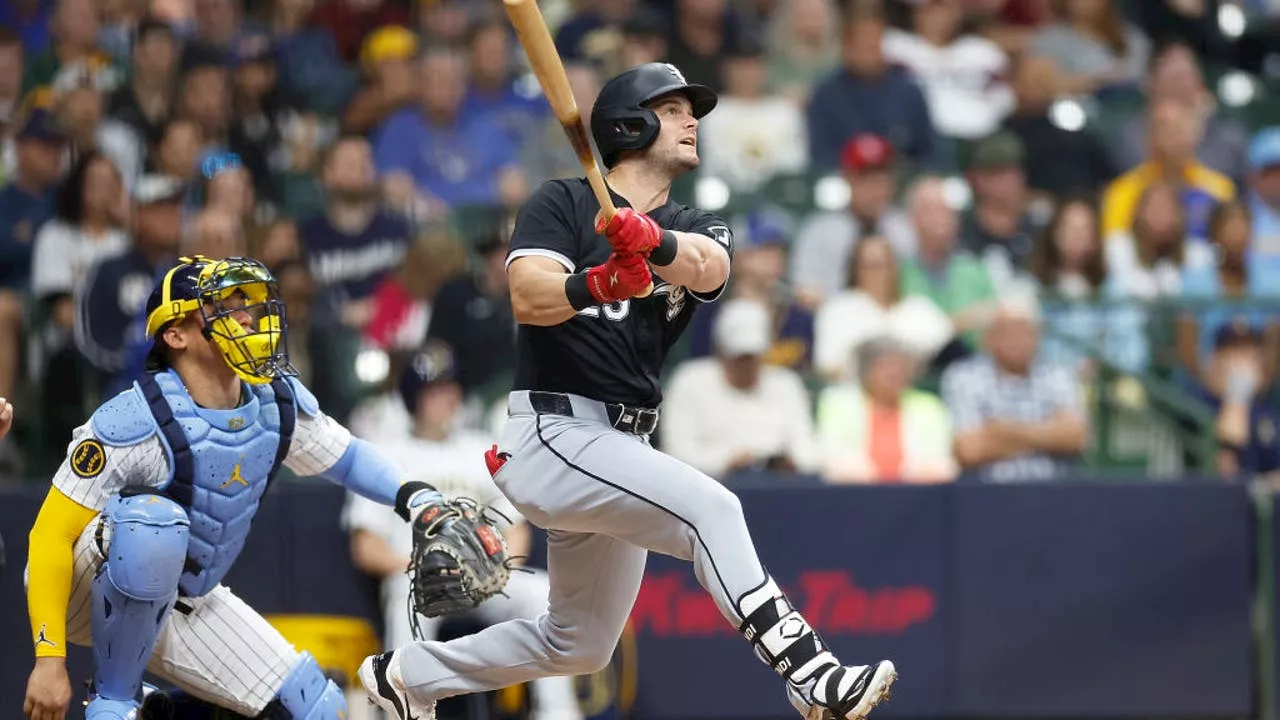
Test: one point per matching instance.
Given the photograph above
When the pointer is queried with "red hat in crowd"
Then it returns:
(866, 151)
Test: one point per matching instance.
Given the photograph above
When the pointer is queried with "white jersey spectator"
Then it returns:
(874, 307)
(732, 412)
(752, 136)
(965, 77)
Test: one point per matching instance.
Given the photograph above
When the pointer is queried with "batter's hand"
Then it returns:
(630, 232)
(48, 690)
(619, 278)
(6, 417)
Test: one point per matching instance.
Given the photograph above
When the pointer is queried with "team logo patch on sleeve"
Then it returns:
(88, 459)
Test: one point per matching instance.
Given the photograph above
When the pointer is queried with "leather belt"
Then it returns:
(628, 419)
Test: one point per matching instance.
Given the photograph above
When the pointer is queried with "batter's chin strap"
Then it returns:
(780, 636)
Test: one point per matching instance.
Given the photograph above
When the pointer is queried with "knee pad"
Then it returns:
(308, 695)
(148, 545)
(135, 588)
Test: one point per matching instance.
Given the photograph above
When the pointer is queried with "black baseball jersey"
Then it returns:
(612, 353)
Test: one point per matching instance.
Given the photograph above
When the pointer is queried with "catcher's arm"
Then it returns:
(50, 567)
(323, 447)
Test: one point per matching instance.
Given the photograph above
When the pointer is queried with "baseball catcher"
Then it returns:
(155, 498)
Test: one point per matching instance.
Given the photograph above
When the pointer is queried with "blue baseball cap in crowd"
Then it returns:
(41, 126)
(1236, 332)
(252, 47)
(765, 226)
(1264, 149)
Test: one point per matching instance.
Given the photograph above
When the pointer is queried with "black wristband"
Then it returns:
(575, 288)
(405, 492)
(665, 253)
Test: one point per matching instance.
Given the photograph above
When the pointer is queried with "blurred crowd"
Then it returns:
(951, 216)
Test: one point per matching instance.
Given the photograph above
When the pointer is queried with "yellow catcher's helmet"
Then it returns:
(239, 302)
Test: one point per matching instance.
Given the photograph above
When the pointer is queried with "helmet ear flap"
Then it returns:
(620, 130)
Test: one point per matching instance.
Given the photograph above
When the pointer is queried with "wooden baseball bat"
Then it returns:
(535, 38)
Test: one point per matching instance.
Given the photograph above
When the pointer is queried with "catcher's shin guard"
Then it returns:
(104, 709)
(134, 590)
(308, 695)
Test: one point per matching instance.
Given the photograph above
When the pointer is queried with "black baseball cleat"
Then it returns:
(380, 675)
(844, 693)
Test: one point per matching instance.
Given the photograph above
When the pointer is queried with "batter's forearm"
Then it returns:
(51, 566)
(701, 264)
(539, 291)
(542, 301)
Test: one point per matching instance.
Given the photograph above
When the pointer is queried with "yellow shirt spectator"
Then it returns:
(1202, 189)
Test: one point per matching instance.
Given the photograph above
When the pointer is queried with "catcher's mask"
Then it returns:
(239, 302)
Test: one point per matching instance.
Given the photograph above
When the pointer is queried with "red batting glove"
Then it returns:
(619, 278)
(630, 232)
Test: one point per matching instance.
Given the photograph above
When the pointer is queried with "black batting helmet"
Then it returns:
(430, 365)
(619, 119)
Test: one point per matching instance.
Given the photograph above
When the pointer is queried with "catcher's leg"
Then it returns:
(222, 651)
(620, 483)
(132, 595)
(593, 584)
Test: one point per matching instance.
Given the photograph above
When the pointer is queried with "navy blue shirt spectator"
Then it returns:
(353, 263)
(353, 245)
(110, 306)
(472, 313)
(759, 268)
(27, 202)
(452, 157)
(869, 96)
(1248, 421)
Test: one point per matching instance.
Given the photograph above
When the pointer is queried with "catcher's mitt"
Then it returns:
(459, 560)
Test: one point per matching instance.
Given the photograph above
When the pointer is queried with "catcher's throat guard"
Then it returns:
(459, 560)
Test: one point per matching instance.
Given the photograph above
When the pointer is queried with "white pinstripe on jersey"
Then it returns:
(222, 651)
(317, 444)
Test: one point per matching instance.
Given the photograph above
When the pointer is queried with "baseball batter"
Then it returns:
(451, 460)
(575, 456)
(155, 498)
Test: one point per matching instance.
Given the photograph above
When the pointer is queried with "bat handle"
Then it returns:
(646, 292)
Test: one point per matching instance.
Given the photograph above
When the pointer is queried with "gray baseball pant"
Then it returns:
(606, 498)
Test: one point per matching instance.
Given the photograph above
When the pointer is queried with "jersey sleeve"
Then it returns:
(544, 227)
(714, 227)
(318, 442)
(95, 470)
